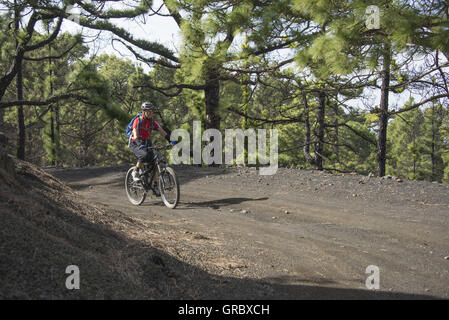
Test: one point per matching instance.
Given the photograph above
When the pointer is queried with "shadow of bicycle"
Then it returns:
(216, 204)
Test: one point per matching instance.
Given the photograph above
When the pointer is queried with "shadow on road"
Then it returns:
(116, 182)
(216, 204)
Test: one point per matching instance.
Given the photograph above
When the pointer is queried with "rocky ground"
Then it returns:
(299, 234)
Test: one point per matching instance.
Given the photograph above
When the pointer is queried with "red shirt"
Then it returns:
(145, 132)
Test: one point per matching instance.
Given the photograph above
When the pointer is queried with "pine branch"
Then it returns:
(114, 13)
(148, 60)
(278, 121)
(260, 70)
(53, 57)
(41, 103)
(418, 77)
(361, 135)
(174, 13)
(153, 47)
(417, 105)
(48, 40)
(178, 87)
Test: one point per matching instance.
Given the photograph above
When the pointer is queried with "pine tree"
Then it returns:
(433, 142)
(444, 133)
(343, 45)
(406, 139)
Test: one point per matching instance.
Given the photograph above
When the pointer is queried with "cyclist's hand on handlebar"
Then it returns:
(143, 147)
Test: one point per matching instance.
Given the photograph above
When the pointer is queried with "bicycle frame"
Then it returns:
(156, 165)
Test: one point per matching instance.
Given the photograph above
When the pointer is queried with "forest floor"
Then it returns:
(300, 234)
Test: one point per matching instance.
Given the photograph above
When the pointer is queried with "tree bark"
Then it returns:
(58, 135)
(52, 136)
(383, 116)
(336, 133)
(432, 156)
(212, 97)
(8, 78)
(306, 148)
(52, 113)
(212, 100)
(245, 101)
(20, 116)
(2, 117)
(319, 146)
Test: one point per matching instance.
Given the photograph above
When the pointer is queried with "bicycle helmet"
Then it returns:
(147, 106)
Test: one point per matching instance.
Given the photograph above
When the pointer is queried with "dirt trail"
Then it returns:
(299, 231)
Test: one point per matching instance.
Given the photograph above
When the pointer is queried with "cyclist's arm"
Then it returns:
(164, 134)
(162, 131)
(134, 134)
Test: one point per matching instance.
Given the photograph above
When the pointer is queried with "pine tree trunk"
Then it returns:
(58, 135)
(52, 115)
(336, 133)
(383, 116)
(245, 102)
(12, 72)
(245, 124)
(212, 99)
(85, 139)
(319, 146)
(432, 154)
(20, 116)
(52, 136)
(18, 65)
(2, 119)
(306, 148)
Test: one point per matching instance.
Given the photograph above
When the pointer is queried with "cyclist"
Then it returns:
(141, 139)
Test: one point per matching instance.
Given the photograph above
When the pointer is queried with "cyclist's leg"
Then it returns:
(140, 154)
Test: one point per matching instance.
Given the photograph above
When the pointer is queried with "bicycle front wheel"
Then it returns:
(169, 187)
(134, 190)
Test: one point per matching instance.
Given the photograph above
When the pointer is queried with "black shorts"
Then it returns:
(143, 155)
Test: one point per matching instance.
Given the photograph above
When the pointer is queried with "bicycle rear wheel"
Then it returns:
(169, 187)
(134, 190)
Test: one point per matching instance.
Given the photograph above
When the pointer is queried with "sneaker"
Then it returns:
(156, 190)
(135, 175)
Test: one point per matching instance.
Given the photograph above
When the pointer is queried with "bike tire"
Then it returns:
(131, 189)
(171, 183)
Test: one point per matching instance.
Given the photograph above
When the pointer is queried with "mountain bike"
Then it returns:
(168, 181)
